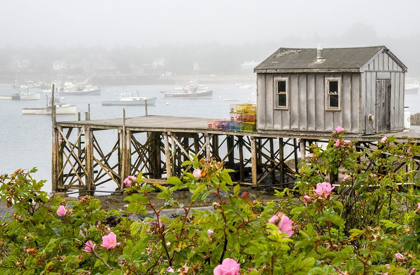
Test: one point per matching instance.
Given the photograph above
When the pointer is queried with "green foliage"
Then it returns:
(372, 215)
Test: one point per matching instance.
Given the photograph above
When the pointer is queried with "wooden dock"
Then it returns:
(158, 145)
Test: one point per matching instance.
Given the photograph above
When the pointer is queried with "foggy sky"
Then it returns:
(109, 23)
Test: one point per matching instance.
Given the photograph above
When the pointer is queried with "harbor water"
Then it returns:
(26, 139)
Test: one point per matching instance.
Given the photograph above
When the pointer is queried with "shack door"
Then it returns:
(383, 105)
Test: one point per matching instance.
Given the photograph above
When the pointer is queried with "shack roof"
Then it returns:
(333, 60)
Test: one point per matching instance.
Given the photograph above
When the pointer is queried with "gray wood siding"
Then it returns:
(261, 107)
(307, 104)
(382, 67)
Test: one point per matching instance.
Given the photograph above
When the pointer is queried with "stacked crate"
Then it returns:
(242, 118)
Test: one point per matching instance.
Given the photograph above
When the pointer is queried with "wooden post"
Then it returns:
(54, 142)
(231, 153)
(281, 159)
(215, 147)
(207, 142)
(295, 149)
(254, 161)
(273, 171)
(241, 158)
(167, 155)
(89, 180)
(145, 106)
(88, 113)
(122, 153)
(302, 148)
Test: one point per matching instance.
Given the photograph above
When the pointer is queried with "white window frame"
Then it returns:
(327, 95)
(276, 93)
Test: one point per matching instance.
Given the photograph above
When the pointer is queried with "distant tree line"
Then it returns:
(211, 57)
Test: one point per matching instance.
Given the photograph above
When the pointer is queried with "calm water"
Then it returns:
(26, 139)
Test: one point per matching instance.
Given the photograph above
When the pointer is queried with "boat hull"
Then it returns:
(199, 94)
(85, 92)
(62, 110)
(5, 97)
(141, 102)
(26, 96)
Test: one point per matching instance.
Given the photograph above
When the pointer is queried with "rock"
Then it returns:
(415, 119)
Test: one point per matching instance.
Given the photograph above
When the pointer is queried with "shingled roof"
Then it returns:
(334, 60)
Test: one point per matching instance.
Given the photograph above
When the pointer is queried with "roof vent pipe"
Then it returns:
(319, 53)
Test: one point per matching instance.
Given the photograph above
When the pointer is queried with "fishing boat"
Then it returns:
(5, 97)
(74, 89)
(61, 109)
(26, 95)
(192, 90)
(127, 99)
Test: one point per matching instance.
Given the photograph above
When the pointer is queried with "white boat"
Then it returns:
(5, 97)
(127, 99)
(192, 90)
(61, 109)
(244, 86)
(73, 89)
(412, 88)
(26, 95)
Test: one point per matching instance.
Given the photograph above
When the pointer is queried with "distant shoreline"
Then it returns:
(116, 80)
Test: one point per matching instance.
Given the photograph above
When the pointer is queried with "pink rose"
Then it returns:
(228, 267)
(197, 173)
(129, 180)
(307, 198)
(399, 256)
(324, 189)
(339, 129)
(285, 225)
(273, 219)
(384, 139)
(413, 271)
(388, 266)
(170, 270)
(89, 246)
(311, 155)
(61, 211)
(209, 232)
(418, 205)
(337, 143)
(109, 241)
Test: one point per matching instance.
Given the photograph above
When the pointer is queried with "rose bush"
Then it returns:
(351, 212)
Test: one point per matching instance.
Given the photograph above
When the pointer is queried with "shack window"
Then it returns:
(333, 94)
(281, 89)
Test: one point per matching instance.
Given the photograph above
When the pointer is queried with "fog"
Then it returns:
(267, 25)
(139, 22)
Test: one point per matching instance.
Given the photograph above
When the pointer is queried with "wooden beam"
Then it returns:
(167, 155)
(254, 161)
(90, 185)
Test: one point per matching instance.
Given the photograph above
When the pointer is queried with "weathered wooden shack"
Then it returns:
(308, 91)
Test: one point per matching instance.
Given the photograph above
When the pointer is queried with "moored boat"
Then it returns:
(127, 99)
(61, 109)
(73, 89)
(26, 95)
(192, 90)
